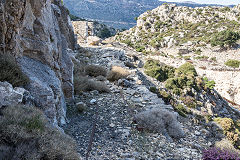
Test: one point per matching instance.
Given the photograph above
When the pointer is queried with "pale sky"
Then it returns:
(223, 2)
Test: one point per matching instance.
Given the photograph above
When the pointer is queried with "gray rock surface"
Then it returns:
(40, 34)
(45, 85)
(10, 95)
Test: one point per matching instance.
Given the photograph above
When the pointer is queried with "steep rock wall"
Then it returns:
(39, 34)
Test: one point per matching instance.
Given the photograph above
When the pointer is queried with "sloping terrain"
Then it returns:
(174, 35)
(123, 117)
(115, 13)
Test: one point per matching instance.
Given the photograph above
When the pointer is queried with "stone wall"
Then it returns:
(39, 34)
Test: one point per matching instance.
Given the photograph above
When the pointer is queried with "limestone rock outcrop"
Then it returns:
(39, 34)
(10, 95)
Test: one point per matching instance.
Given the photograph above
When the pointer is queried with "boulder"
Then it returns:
(46, 88)
(10, 96)
(93, 40)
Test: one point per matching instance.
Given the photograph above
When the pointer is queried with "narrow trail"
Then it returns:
(116, 136)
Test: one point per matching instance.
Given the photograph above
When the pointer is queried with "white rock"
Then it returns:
(10, 96)
(112, 125)
(93, 101)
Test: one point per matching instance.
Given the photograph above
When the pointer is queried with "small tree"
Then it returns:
(104, 33)
(226, 38)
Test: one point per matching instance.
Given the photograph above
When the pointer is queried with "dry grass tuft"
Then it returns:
(11, 72)
(117, 73)
(84, 83)
(95, 70)
(83, 52)
(26, 134)
(160, 120)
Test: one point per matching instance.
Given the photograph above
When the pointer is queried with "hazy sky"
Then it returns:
(223, 2)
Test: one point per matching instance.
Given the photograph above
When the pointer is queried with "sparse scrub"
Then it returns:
(84, 83)
(198, 51)
(232, 63)
(230, 130)
(30, 136)
(117, 73)
(186, 69)
(209, 84)
(95, 70)
(185, 78)
(165, 95)
(203, 58)
(226, 38)
(187, 57)
(140, 48)
(225, 144)
(182, 111)
(189, 101)
(214, 59)
(11, 72)
(160, 120)
(158, 70)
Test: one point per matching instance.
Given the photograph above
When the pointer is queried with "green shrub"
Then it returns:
(232, 63)
(177, 84)
(187, 57)
(76, 18)
(153, 89)
(128, 42)
(104, 33)
(182, 111)
(230, 130)
(140, 48)
(205, 58)
(189, 101)
(165, 95)
(209, 84)
(214, 59)
(186, 69)
(198, 51)
(157, 70)
(185, 78)
(226, 38)
(11, 72)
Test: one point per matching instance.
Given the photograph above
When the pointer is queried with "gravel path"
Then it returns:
(116, 136)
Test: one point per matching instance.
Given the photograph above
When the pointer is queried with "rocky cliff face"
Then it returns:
(39, 34)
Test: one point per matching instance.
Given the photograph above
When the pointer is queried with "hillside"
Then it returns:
(176, 34)
(116, 13)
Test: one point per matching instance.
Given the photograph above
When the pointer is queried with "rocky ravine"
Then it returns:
(117, 136)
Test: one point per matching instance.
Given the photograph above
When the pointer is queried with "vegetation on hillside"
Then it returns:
(232, 63)
(198, 26)
(226, 38)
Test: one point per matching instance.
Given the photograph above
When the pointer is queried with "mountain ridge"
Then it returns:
(117, 10)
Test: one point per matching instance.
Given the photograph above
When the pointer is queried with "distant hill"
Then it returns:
(116, 13)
